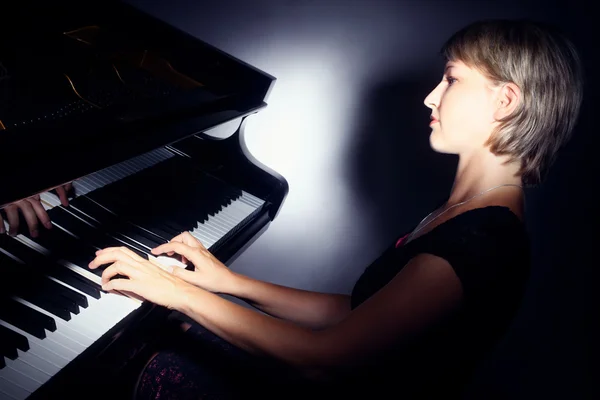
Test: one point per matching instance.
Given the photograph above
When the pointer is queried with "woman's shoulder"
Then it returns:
(486, 221)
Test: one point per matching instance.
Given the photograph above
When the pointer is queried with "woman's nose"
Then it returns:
(432, 99)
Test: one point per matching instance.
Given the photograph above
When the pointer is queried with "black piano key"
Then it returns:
(25, 318)
(79, 228)
(16, 282)
(113, 224)
(62, 245)
(93, 236)
(54, 304)
(72, 278)
(106, 218)
(110, 239)
(43, 301)
(113, 197)
(78, 282)
(14, 338)
(8, 351)
(67, 297)
(166, 215)
(161, 229)
(142, 238)
(36, 263)
(70, 298)
(2, 362)
(176, 226)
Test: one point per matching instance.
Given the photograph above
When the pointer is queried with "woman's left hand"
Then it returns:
(147, 279)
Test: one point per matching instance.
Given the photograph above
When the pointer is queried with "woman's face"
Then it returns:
(462, 106)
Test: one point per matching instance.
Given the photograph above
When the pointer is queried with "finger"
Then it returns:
(121, 285)
(186, 238)
(118, 268)
(69, 187)
(30, 217)
(108, 257)
(123, 249)
(128, 294)
(2, 229)
(40, 212)
(190, 240)
(188, 276)
(167, 268)
(62, 195)
(12, 214)
(179, 248)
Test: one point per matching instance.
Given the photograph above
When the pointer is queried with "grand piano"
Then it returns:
(148, 123)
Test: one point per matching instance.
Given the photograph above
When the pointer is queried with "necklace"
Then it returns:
(419, 227)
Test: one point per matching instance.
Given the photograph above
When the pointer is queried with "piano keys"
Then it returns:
(122, 107)
(59, 306)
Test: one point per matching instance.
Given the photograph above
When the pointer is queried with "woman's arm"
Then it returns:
(310, 309)
(425, 292)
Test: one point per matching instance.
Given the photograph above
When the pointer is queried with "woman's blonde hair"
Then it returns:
(545, 65)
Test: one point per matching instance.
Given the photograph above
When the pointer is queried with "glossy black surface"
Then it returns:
(84, 85)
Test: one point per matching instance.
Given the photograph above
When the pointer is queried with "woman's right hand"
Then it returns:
(209, 273)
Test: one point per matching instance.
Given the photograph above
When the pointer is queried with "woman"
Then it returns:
(423, 314)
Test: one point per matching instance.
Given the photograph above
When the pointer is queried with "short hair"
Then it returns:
(546, 67)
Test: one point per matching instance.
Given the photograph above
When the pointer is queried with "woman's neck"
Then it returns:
(480, 172)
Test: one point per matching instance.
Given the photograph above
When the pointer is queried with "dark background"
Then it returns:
(346, 126)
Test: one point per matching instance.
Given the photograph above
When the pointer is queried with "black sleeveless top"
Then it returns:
(489, 250)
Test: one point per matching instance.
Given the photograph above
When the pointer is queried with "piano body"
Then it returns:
(125, 107)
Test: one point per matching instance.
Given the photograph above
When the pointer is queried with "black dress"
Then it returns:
(489, 250)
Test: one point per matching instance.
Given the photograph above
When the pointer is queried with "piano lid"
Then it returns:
(85, 85)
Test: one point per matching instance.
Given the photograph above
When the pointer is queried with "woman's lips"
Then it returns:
(433, 121)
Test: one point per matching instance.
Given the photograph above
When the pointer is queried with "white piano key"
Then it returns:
(38, 347)
(223, 218)
(227, 218)
(216, 226)
(258, 201)
(63, 345)
(207, 231)
(11, 391)
(18, 379)
(234, 210)
(221, 221)
(244, 200)
(205, 241)
(252, 200)
(38, 376)
(216, 235)
(77, 331)
(39, 362)
(199, 234)
(96, 181)
(83, 322)
(50, 199)
(244, 208)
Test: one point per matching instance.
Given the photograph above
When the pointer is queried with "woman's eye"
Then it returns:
(450, 80)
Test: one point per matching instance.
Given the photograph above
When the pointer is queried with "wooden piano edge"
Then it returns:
(109, 367)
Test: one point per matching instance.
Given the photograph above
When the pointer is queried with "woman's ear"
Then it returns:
(508, 99)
